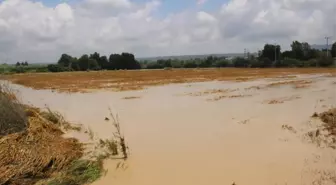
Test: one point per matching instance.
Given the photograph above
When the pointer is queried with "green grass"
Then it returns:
(80, 172)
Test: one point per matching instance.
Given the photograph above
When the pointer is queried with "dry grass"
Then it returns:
(132, 80)
(12, 115)
(289, 128)
(216, 98)
(211, 91)
(329, 118)
(36, 153)
(295, 83)
(255, 88)
(131, 97)
(282, 100)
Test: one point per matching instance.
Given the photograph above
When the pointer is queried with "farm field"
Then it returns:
(135, 80)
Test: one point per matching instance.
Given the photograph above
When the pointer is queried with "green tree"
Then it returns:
(65, 60)
(333, 50)
(325, 61)
(297, 50)
(286, 54)
(83, 62)
(93, 64)
(271, 52)
(74, 64)
(221, 63)
(103, 62)
(241, 62)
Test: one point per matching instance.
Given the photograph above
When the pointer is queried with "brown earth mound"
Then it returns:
(36, 152)
(329, 118)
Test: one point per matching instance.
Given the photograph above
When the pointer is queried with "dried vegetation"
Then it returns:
(329, 119)
(211, 91)
(34, 151)
(131, 97)
(282, 100)
(294, 83)
(133, 80)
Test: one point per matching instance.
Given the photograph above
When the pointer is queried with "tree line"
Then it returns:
(301, 54)
(95, 62)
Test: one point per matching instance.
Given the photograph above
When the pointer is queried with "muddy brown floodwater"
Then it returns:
(178, 139)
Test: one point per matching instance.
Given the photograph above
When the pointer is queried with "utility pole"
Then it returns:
(327, 39)
(275, 53)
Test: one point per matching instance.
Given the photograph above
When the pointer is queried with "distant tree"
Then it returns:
(333, 50)
(265, 62)
(18, 64)
(55, 68)
(297, 50)
(74, 64)
(286, 54)
(154, 65)
(325, 61)
(189, 64)
(221, 63)
(255, 63)
(271, 52)
(177, 63)
(26, 63)
(83, 62)
(65, 60)
(95, 56)
(123, 61)
(165, 63)
(290, 62)
(241, 62)
(93, 64)
(103, 62)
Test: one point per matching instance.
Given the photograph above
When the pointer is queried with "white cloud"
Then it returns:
(205, 17)
(37, 33)
(113, 3)
(200, 2)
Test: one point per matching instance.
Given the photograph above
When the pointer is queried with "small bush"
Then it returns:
(55, 68)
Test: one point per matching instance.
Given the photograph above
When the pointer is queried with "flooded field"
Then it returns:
(134, 80)
(250, 130)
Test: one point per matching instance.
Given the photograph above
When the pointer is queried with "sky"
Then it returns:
(39, 31)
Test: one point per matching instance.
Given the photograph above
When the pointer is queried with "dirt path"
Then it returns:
(177, 138)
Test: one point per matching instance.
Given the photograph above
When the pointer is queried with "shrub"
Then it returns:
(55, 68)
(325, 61)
